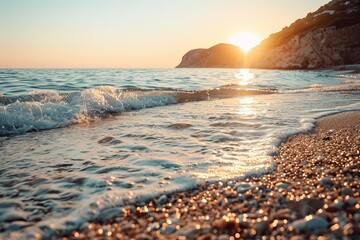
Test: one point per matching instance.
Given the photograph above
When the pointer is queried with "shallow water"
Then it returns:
(101, 144)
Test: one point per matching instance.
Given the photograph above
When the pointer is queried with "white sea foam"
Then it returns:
(43, 110)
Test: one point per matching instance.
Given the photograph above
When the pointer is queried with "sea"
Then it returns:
(76, 142)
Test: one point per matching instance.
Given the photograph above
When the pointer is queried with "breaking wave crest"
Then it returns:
(50, 109)
(45, 110)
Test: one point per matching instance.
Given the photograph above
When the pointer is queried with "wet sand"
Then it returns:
(313, 191)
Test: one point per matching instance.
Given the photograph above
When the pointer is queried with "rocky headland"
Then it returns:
(219, 56)
(325, 38)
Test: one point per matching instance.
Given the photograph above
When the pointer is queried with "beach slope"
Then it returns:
(313, 191)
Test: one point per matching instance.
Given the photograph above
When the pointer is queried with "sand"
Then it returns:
(313, 193)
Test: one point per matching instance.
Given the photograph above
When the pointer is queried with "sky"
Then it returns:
(131, 33)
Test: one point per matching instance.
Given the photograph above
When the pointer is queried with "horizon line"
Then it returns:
(49, 68)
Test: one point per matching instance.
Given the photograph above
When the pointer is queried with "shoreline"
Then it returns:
(313, 191)
(355, 68)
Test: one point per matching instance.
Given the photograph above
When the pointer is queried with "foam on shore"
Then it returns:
(313, 192)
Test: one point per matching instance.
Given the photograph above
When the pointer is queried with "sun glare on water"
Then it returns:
(245, 40)
(245, 76)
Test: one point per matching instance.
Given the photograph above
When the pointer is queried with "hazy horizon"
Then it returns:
(130, 34)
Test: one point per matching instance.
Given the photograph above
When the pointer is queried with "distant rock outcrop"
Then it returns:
(219, 56)
(325, 38)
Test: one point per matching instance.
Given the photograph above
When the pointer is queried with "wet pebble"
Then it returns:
(261, 227)
(325, 181)
(310, 224)
(106, 140)
(224, 237)
(335, 207)
(188, 230)
(306, 206)
(346, 191)
(282, 214)
(225, 223)
(241, 188)
(168, 230)
(107, 214)
(283, 185)
(349, 229)
(161, 200)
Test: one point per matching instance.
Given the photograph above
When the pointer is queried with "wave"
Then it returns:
(50, 109)
(45, 110)
(325, 88)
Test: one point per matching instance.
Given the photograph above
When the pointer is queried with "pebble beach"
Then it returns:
(313, 193)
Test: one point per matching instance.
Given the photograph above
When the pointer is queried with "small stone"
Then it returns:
(283, 214)
(297, 237)
(105, 140)
(116, 141)
(325, 181)
(261, 227)
(278, 195)
(310, 224)
(188, 230)
(224, 237)
(357, 217)
(348, 229)
(263, 187)
(283, 185)
(306, 206)
(168, 230)
(352, 201)
(161, 200)
(108, 213)
(335, 207)
(309, 173)
(241, 188)
(222, 224)
(242, 198)
(346, 191)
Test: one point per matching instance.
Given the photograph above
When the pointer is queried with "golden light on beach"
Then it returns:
(245, 40)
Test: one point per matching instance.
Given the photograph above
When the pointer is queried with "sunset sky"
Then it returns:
(131, 33)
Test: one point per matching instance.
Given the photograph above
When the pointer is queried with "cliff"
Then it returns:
(327, 37)
(321, 48)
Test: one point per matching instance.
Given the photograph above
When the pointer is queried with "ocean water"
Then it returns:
(75, 142)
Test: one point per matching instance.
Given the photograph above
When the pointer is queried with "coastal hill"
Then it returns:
(222, 55)
(327, 37)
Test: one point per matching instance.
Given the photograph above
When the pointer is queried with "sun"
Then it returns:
(245, 40)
